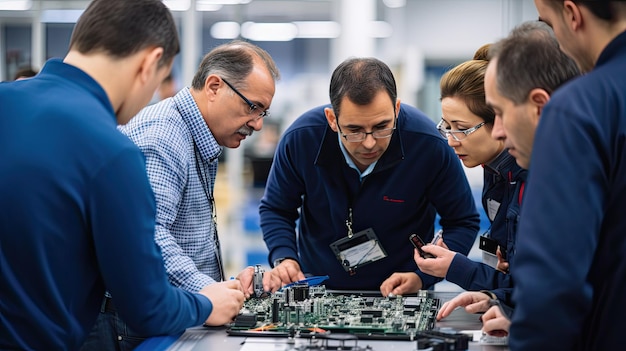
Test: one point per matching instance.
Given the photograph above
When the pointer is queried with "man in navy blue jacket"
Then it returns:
(358, 177)
(77, 213)
(570, 268)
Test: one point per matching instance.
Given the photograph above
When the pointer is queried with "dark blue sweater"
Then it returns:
(503, 180)
(570, 266)
(76, 214)
(416, 176)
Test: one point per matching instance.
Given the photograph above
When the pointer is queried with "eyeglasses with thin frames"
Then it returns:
(457, 135)
(251, 105)
(358, 137)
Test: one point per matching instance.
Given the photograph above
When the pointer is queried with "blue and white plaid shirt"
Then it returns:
(165, 132)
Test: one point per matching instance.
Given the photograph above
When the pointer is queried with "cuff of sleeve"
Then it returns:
(427, 280)
(490, 294)
(461, 271)
(504, 294)
(282, 253)
(196, 282)
(279, 260)
(206, 307)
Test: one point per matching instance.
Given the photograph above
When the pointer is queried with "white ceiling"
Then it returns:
(256, 10)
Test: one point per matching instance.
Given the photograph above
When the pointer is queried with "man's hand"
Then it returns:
(227, 299)
(401, 283)
(438, 266)
(495, 323)
(503, 265)
(271, 281)
(246, 277)
(288, 271)
(473, 301)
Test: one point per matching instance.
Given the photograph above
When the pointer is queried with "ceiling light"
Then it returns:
(177, 5)
(60, 16)
(269, 31)
(394, 3)
(318, 29)
(224, 2)
(225, 30)
(15, 5)
(205, 6)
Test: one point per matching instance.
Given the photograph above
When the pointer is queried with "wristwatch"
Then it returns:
(491, 295)
(279, 260)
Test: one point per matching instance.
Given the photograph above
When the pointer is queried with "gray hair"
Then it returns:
(530, 58)
(233, 61)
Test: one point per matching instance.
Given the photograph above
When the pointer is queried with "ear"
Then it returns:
(572, 15)
(397, 107)
(212, 85)
(149, 64)
(538, 98)
(331, 118)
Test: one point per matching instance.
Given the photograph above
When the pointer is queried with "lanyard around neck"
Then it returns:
(209, 194)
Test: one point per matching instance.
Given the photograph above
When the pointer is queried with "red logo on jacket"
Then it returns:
(387, 198)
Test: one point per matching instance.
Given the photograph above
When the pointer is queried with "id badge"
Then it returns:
(362, 248)
(489, 247)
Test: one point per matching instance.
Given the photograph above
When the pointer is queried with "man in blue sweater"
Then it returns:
(360, 176)
(570, 268)
(77, 213)
(182, 138)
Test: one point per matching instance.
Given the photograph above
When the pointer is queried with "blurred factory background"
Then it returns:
(419, 39)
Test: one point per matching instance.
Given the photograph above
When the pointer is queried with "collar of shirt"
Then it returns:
(497, 164)
(350, 163)
(207, 145)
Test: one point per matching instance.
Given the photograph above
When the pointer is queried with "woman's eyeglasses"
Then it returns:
(457, 135)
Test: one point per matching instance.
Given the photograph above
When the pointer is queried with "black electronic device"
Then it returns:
(418, 243)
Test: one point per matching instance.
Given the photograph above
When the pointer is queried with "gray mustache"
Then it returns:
(247, 131)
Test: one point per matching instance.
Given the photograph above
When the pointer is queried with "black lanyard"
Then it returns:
(209, 194)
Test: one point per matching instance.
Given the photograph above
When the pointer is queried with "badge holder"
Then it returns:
(358, 250)
(489, 247)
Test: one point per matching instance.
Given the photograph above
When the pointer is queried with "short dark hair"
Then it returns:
(24, 72)
(121, 28)
(530, 58)
(360, 79)
(233, 61)
(603, 9)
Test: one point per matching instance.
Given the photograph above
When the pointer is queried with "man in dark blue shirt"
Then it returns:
(77, 213)
(570, 268)
(361, 175)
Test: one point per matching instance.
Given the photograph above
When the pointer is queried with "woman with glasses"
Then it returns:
(466, 123)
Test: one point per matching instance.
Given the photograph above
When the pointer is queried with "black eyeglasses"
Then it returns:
(376, 134)
(252, 106)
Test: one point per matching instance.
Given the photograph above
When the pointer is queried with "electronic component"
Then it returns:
(310, 281)
(303, 311)
(449, 338)
(487, 339)
(257, 281)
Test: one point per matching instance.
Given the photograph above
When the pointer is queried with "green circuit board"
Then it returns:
(301, 311)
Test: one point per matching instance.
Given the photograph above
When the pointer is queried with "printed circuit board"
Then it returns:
(307, 311)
